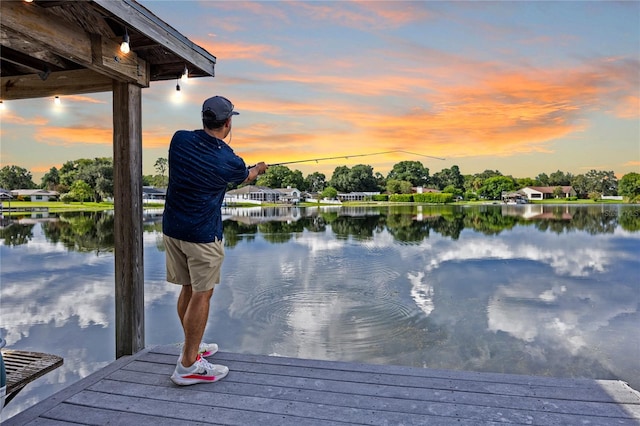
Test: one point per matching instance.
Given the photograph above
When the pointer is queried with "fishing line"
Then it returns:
(352, 156)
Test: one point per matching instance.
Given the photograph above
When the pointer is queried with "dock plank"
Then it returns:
(265, 390)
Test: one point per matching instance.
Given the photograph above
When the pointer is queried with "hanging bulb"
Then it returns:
(185, 74)
(56, 100)
(124, 46)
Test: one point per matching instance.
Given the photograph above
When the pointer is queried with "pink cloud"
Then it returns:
(10, 117)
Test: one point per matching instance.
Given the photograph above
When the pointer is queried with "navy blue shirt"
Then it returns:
(200, 167)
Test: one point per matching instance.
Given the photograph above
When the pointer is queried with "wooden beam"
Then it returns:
(13, 45)
(58, 83)
(127, 183)
(109, 60)
(41, 27)
(154, 28)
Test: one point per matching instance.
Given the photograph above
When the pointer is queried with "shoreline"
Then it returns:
(20, 207)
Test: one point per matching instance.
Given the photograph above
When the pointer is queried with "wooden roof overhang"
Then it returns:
(51, 48)
(73, 47)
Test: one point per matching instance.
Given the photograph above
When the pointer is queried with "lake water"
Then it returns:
(528, 289)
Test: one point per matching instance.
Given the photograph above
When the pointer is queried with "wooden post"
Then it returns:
(127, 183)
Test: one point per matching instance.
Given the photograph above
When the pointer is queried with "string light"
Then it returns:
(178, 93)
(185, 74)
(56, 100)
(124, 46)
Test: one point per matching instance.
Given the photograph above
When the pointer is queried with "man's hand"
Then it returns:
(255, 171)
(262, 167)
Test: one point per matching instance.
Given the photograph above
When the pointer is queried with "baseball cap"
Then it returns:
(221, 107)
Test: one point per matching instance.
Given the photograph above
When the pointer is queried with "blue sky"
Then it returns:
(519, 87)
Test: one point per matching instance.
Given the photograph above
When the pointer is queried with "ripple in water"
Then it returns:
(349, 320)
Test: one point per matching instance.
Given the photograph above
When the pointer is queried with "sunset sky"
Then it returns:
(519, 87)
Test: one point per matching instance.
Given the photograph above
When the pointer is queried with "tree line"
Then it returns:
(93, 231)
(92, 179)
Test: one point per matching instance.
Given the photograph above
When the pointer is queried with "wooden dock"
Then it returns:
(267, 390)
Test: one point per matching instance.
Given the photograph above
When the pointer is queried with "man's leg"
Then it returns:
(194, 322)
(183, 302)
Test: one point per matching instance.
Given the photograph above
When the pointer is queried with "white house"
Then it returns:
(152, 194)
(546, 192)
(356, 196)
(252, 194)
(36, 194)
(289, 195)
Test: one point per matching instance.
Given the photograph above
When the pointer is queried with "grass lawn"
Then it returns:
(60, 207)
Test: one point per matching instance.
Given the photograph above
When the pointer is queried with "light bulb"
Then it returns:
(124, 46)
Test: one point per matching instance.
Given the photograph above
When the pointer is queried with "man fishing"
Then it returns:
(201, 165)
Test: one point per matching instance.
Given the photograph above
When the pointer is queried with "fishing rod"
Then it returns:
(352, 156)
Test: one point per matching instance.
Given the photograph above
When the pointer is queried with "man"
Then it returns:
(201, 165)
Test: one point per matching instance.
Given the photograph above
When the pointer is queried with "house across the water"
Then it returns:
(547, 192)
(35, 194)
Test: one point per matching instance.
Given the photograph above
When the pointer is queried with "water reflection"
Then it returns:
(532, 289)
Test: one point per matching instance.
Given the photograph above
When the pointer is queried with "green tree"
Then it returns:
(602, 182)
(472, 183)
(104, 187)
(629, 186)
(329, 193)
(81, 191)
(395, 186)
(523, 182)
(315, 182)
(68, 172)
(488, 174)
(294, 180)
(411, 171)
(358, 178)
(161, 179)
(448, 177)
(362, 177)
(494, 186)
(381, 181)
(558, 192)
(276, 177)
(161, 165)
(51, 180)
(453, 190)
(16, 177)
(340, 178)
(559, 178)
(543, 179)
(581, 185)
(97, 173)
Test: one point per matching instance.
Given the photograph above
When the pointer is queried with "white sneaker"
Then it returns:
(204, 349)
(207, 349)
(202, 371)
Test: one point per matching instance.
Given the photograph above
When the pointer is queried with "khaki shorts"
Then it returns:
(194, 264)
